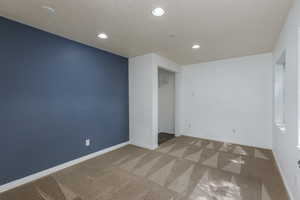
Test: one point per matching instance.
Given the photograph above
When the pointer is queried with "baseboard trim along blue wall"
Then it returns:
(41, 174)
(54, 94)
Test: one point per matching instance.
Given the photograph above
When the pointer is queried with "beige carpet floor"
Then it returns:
(183, 168)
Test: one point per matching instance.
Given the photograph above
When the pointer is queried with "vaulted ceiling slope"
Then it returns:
(223, 28)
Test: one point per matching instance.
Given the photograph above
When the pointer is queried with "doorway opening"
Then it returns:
(166, 105)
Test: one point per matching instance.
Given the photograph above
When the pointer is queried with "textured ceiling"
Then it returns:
(223, 28)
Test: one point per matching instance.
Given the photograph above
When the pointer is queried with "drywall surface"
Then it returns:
(55, 94)
(141, 74)
(284, 143)
(143, 97)
(229, 100)
(166, 101)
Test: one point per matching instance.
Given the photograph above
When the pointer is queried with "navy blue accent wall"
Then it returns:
(55, 93)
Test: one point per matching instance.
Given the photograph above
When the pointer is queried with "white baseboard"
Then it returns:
(49, 171)
(143, 146)
(283, 177)
(223, 140)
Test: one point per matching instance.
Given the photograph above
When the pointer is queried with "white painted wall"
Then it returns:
(166, 101)
(214, 98)
(222, 96)
(141, 101)
(143, 98)
(284, 143)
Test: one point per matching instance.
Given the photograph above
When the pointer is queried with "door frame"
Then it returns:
(178, 77)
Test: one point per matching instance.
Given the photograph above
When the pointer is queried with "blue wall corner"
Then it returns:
(55, 93)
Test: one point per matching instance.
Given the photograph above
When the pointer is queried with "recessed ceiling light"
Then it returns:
(49, 9)
(102, 36)
(158, 12)
(196, 46)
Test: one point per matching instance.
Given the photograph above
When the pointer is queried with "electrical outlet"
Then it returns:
(87, 142)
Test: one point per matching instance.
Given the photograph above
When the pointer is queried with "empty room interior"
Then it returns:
(150, 100)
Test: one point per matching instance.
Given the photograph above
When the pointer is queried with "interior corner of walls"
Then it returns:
(284, 178)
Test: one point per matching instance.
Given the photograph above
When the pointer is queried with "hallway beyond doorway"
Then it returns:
(164, 137)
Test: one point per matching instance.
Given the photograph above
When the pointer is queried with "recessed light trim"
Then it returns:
(158, 12)
(196, 46)
(102, 36)
(49, 8)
